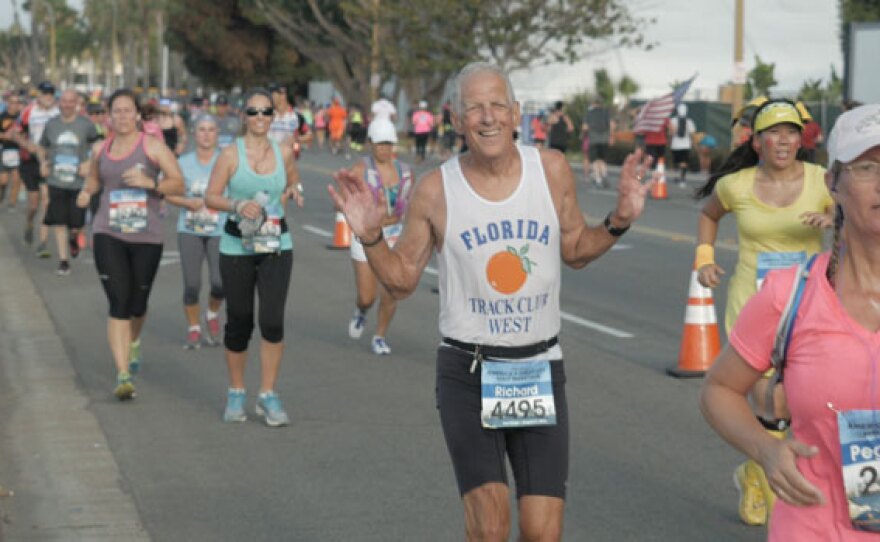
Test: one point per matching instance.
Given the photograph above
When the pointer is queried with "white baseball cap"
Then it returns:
(854, 132)
(382, 130)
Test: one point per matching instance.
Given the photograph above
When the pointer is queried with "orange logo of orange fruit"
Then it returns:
(507, 270)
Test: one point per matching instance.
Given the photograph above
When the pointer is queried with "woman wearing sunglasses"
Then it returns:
(256, 252)
(781, 204)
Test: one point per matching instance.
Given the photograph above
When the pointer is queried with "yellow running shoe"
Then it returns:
(124, 388)
(748, 478)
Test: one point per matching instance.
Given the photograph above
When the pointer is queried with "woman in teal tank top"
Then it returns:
(256, 252)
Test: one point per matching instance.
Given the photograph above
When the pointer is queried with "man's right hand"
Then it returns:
(362, 210)
(710, 275)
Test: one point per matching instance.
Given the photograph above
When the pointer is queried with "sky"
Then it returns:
(692, 36)
(696, 36)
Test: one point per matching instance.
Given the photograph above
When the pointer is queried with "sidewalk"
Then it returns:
(53, 455)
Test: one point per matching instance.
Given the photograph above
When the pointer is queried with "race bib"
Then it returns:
(10, 158)
(516, 394)
(860, 453)
(267, 239)
(203, 222)
(392, 233)
(224, 140)
(65, 168)
(128, 210)
(768, 261)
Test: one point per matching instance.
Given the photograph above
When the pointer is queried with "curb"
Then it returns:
(53, 454)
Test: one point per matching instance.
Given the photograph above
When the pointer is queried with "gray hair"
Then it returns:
(470, 70)
(206, 117)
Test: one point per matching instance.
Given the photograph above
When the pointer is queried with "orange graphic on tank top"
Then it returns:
(507, 270)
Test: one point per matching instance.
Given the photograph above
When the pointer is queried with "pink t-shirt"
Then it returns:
(423, 121)
(828, 362)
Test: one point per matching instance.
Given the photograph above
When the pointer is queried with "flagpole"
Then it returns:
(739, 70)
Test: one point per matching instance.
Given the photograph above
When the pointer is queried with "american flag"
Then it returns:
(653, 114)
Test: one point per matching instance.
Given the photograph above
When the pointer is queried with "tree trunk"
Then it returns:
(36, 64)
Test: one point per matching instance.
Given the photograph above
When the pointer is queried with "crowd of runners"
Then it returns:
(102, 172)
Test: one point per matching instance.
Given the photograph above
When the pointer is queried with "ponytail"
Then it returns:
(742, 157)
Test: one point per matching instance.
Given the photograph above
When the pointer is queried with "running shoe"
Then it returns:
(74, 247)
(134, 357)
(380, 347)
(193, 339)
(124, 388)
(356, 325)
(213, 337)
(752, 504)
(234, 406)
(43, 251)
(28, 234)
(63, 269)
(269, 406)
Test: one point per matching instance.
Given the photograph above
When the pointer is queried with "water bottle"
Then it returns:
(249, 226)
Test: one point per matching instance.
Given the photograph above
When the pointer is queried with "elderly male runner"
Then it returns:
(499, 218)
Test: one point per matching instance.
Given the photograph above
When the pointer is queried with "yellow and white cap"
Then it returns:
(777, 113)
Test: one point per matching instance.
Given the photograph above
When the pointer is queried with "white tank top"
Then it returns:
(499, 264)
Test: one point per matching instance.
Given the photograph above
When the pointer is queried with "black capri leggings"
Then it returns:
(269, 276)
(127, 271)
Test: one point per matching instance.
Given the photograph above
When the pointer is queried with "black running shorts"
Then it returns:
(538, 455)
(29, 170)
(62, 210)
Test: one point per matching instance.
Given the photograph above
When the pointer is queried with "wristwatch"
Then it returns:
(616, 232)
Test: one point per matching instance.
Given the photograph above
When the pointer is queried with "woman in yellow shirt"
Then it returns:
(781, 204)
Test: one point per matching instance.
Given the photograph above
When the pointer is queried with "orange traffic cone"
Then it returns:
(700, 342)
(658, 191)
(342, 233)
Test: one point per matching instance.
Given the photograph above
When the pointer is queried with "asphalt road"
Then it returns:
(364, 458)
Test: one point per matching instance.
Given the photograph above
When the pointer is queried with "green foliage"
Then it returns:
(626, 86)
(760, 79)
(603, 86)
(811, 91)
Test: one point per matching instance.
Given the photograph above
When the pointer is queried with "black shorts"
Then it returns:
(62, 210)
(598, 151)
(682, 156)
(29, 170)
(538, 455)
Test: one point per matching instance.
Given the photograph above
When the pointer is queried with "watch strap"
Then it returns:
(614, 231)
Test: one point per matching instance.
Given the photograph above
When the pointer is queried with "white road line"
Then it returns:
(318, 231)
(565, 316)
(595, 326)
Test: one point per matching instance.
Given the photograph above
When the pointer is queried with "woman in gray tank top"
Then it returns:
(127, 227)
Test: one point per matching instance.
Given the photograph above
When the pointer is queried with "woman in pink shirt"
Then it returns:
(826, 473)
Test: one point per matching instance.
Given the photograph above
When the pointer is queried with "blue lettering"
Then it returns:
(481, 239)
(519, 228)
(466, 237)
(545, 236)
(532, 233)
(506, 229)
(492, 230)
